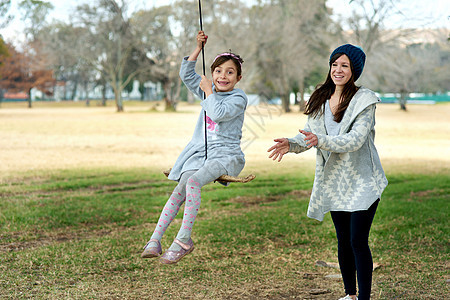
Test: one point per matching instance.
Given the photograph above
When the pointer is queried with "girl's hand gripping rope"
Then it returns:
(206, 86)
(200, 41)
(202, 38)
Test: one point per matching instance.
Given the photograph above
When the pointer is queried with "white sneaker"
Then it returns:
(347, 298)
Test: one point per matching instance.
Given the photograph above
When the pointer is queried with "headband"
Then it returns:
(229, 54)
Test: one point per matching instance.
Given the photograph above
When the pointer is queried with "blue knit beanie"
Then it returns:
(356, 56)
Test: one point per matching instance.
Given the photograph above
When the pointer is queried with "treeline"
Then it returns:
(285, 45)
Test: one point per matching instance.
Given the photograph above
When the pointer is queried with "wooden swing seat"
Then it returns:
(226, 178)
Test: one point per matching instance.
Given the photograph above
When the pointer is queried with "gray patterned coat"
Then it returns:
(349, 175)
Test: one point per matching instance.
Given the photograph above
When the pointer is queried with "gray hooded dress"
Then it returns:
(225, 116)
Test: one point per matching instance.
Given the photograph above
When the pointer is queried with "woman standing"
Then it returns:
(349, 177)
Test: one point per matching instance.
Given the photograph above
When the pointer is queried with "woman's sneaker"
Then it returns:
(348, 298)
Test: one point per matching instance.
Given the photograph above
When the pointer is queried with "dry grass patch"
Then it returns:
(46, 139)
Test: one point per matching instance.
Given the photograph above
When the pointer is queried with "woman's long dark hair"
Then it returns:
(323, 92)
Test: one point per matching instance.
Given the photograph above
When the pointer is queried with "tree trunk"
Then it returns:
(74, 90)
(285, 102)
(302, 102)
(176, 95)
(118, 94)
(104, 95)
(142, 90)
(65, 90)
(402, 100)
(301, 90)
(86, 94)
(170, 104)
(119, 101)
(29, 99)
(402, 104)
(119, 104)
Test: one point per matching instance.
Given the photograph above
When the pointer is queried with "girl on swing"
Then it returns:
(225, 108)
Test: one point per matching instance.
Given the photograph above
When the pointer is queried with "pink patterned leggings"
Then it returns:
(187, 191)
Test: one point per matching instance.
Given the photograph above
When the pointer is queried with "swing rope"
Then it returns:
(204, 73)
(222, 178)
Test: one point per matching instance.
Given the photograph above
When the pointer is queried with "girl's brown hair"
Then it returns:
(222, 58)
(323, 92)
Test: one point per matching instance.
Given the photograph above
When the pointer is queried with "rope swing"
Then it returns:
(226, 178)
(223, 178)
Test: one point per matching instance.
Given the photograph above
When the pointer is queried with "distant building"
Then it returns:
(15, 97)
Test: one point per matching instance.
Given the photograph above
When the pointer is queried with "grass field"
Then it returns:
(81, 189)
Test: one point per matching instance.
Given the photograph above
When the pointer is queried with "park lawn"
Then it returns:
(78, 234)
(77, 206)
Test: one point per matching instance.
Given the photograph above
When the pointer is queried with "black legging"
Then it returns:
(352, 230)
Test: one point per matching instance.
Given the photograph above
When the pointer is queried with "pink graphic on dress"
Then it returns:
(211, 128)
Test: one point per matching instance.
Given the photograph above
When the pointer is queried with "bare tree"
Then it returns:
(415, 67)
(62, 45)
(35, 16)
(367, 29)
(157, 42)
(5, 16)
(34, 13)
(289, 47)
(110, 43)
(186, 18)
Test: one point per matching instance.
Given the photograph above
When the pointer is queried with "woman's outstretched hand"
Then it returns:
(310, 138)
(279, 149)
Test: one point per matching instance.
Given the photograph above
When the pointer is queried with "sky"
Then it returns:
(416, 13)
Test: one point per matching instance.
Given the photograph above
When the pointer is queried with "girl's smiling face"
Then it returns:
(341, 70)
(225, 76)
